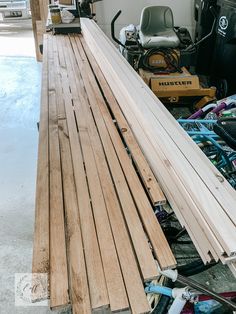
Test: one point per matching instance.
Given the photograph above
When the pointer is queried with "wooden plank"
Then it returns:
(132, 279)
(152, 227)
(142, 249)
(116, 289)
(176, 195)
(61, 113)
(134, 287)
(215, 181)
(58, 258)
(200, 236)
(183, 168)
(115, 285)
(96, 278)
(150, 148)
(40, 263)
(43, 4)
(159, 162)
(39, 13)
(35, 14)
(79, 290)
(156, 195)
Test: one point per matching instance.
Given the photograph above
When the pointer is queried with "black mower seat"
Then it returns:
(226, 129)
(157, 28)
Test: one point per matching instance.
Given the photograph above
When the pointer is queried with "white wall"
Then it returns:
(131, 11)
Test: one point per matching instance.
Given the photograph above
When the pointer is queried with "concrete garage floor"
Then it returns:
(16, 38)
(20, 78)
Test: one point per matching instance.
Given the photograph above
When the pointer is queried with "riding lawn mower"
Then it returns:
(162, 54)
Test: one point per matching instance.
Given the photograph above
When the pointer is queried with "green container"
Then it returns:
(227, 114)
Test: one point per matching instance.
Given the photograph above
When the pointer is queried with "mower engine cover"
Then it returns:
(160, 57)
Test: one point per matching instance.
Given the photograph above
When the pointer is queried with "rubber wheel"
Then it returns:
(221, 88)
(164, 301)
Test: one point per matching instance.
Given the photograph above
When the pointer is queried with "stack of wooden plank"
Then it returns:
(202, 199)
(96, 233)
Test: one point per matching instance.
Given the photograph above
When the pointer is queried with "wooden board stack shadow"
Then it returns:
(96, 233)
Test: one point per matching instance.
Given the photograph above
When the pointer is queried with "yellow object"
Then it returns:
(158, 59)
(55, 15)
(175, 87)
